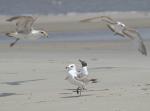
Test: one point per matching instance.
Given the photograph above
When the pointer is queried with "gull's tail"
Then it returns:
(94, 80)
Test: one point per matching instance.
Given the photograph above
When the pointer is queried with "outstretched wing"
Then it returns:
(103, 18)
(23, 23)
(89, 19)
(108, 20)
(134, 35)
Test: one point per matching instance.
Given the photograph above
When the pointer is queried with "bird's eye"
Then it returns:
(42, 32)
(71, 66)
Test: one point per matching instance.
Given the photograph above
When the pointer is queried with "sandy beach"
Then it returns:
(32, 77)
(32, 73)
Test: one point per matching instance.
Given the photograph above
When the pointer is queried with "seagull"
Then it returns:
(78, 78)
(119, 28)
(24, 29)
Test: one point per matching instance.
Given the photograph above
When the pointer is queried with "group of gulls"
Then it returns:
(25, 30)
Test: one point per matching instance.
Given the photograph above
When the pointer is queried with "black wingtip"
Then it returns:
(142, 49)
(94, 80)
(83, 63)
(10, 19)
(11, 45)
(144, 53)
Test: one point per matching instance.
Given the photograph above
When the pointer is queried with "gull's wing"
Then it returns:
(89, 19)
(134, 35)
(108, 20)
(23, 23)
(111, 27)
(116, 29)
(83, 79)
(82, 72)
(76, 82)
(111, 24)
(103, 18)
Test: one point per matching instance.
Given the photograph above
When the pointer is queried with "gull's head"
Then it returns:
(44, 34)
(121, 24)
(71, 67)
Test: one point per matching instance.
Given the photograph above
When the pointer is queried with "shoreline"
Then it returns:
(70, 22)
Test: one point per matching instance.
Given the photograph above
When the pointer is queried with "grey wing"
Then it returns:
(77, 82)
(116, 29)
(108, 19)
(104, 18)
(90, 19)
(111, 27)
(134, 35)
(81, 73)
(83, 79)
(23, 23)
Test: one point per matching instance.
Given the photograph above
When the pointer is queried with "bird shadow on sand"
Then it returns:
(21, 82)
(7, 94)
(148, 84)
(83, 95)
(108, 67)
(74, 90)
(77, 96)
(146, 87)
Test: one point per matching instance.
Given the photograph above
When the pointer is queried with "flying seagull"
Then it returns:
(24, 29)
(122, 30)
(79, 78)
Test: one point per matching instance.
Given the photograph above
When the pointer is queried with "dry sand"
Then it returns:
(32, 77)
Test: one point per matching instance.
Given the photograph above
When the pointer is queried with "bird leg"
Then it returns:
(78, 90)
(13, 43)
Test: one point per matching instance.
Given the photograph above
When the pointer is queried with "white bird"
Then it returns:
(24, 29)
(121, 29)
(82, 71)
(77, 78)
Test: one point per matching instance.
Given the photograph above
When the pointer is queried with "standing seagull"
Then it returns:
(77, 78)
(121, 29)
(24, 29)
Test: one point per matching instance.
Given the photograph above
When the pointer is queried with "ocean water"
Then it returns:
(16, 7)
